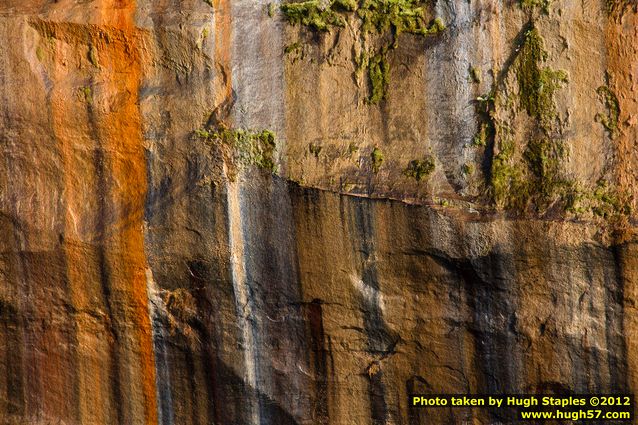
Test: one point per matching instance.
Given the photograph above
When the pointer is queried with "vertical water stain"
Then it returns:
(319, 355)
(104, 198)
(615, 328)
(381, 341)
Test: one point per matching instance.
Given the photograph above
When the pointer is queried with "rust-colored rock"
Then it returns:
(149, 274)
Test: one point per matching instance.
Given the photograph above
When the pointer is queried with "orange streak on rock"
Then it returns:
(98, 126)
(622, 48)
(129, 193)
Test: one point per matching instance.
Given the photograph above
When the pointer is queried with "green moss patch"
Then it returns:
(379, 74)
(86, 94)
(243, 147)
(313, 14)
(533, 4)
(420, 169)
(475, 75)
(381, 16)
(526, 172)
(94, 57)
(507, 179)
(544, 158)
(609, 121)
(481, 137)
(530, 178)
(377, 159)
(315, 150)
(537, 84)
(603, 201)
(380, 19)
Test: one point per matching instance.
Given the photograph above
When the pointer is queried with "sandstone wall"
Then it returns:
(147, 277)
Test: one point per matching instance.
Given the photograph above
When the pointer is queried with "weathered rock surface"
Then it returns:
(148, 276)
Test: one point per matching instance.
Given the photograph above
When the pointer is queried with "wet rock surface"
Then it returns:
(153, 273)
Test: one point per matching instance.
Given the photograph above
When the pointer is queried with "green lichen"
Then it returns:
(352, 149)
(345, 5)
(441, 202)
(314, 14)
(377, 159)
(537, 180)
(293, 47)
(475, 75)
(383, 19)
(348, 187)
(272, 9)
(609, 121)
(398, 16)
(379, 75)
(532, 4)
(294, 51)
(395, 17)
(420, 169)
(530, 175)
(485, 102)
(606, 200)
(315, 150)
(86, 94)
(243, 147)
(537, 84)
(468, 169)
(485, 106)
(544, 158)
(377, 16)
(93, 56)
(534, 179)
(481, 137)
(508, 185)
(39, 53)
(603, 201)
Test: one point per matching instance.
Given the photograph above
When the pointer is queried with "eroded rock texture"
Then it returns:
(469, 228)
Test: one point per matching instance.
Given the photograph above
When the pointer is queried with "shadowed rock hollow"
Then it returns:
(238, 212)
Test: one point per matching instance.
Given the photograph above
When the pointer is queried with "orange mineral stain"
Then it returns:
(622, 67)
(104, 193)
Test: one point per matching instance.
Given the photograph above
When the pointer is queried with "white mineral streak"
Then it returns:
(243, 304)
(157, 309)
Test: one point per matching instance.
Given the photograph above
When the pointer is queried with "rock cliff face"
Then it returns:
(232, 212)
